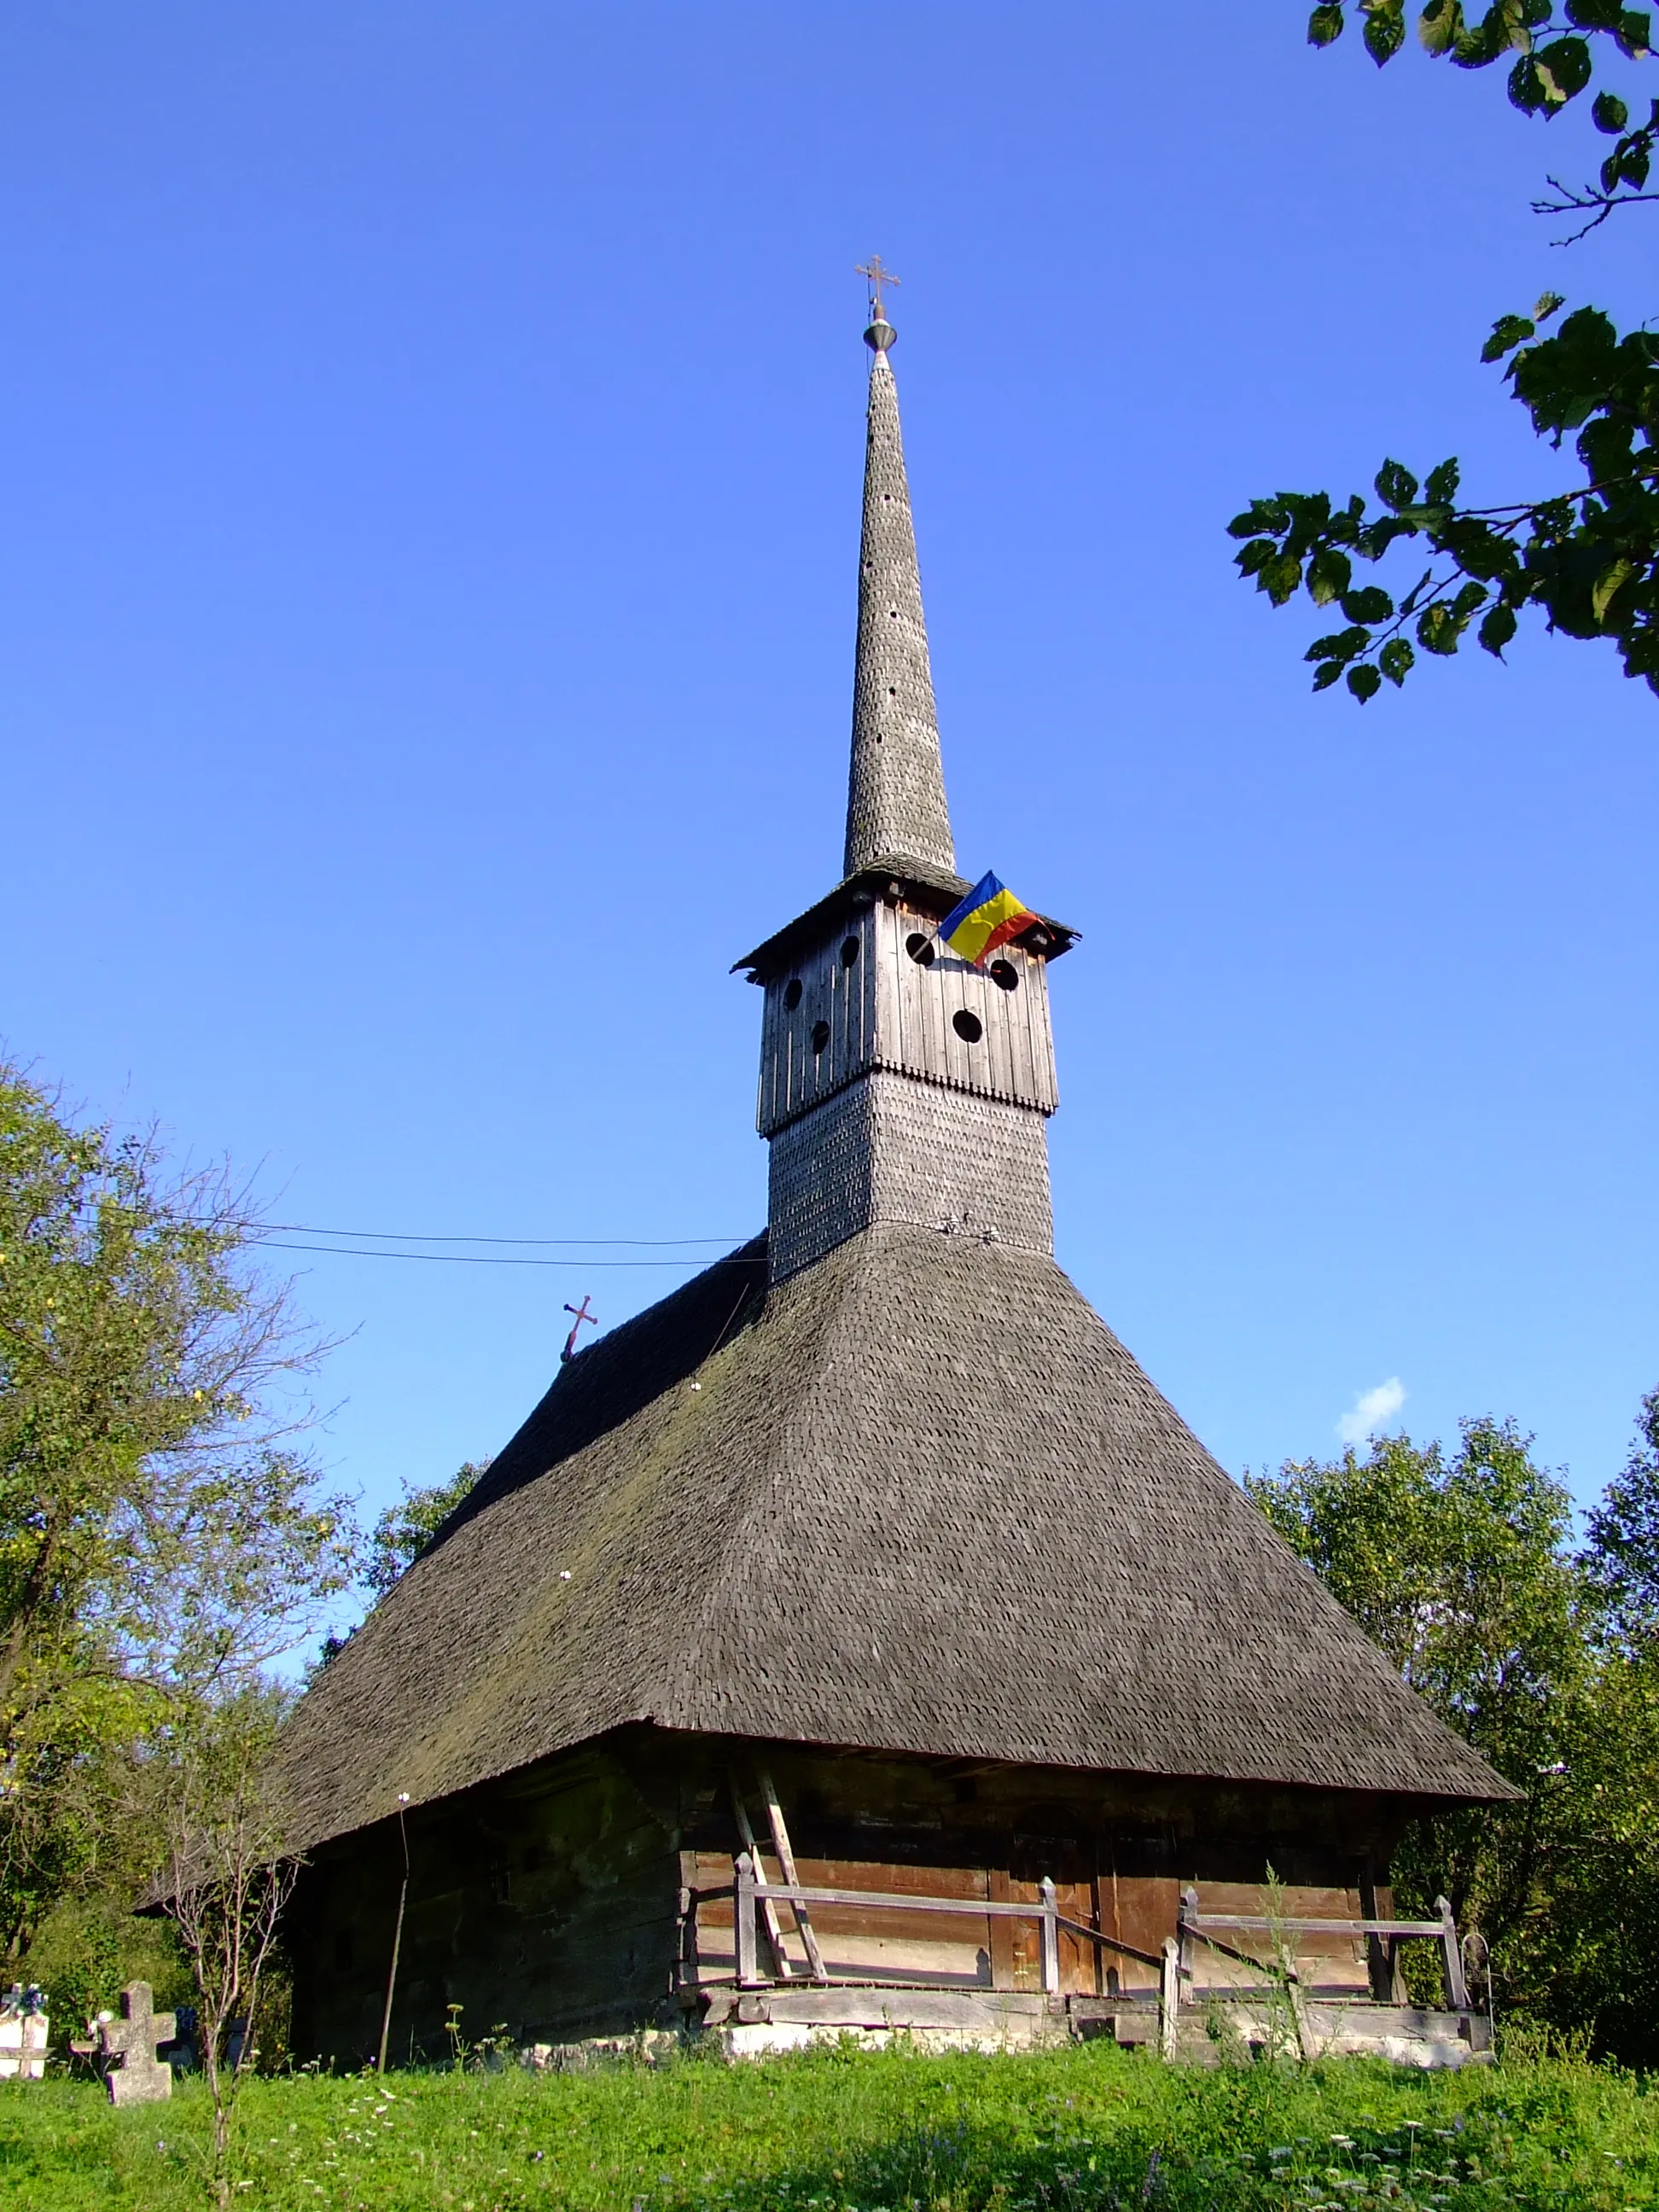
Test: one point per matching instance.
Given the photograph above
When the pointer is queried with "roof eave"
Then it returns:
(896, 881)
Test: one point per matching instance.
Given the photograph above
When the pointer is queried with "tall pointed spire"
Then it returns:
(896, 806)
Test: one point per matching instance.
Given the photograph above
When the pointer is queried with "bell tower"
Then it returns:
(898, 1082)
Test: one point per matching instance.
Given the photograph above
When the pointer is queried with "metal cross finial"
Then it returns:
(877, 276)
(582, 1313)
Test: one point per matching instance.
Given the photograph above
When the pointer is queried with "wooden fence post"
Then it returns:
(1451, 1954)
(1185, 1913)
(1050, 1938)
(742, 1922)
(1169, 2003)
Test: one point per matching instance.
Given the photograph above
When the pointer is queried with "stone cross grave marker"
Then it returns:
(136, 2075)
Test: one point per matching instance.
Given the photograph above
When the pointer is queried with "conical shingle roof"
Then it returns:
(920, 1500)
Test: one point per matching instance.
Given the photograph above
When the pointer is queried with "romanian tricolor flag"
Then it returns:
(987, 917)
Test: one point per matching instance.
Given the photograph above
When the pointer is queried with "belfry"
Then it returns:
(856, 1639)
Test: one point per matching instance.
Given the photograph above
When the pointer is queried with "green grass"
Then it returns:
(1077, 2130)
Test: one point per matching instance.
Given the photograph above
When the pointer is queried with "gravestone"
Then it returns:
(127, 2045)
(23, 2034)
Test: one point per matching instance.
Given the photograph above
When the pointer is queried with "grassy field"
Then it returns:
(828, 2132)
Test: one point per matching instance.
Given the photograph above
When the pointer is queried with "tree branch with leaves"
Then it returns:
(1586, 557)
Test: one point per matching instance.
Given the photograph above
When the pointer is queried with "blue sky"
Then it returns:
(432, 438)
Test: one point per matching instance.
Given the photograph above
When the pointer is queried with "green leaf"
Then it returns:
(1441, 26)
(1324, 24)
(1255, 555)
(1396, 487)
(1629, 162)
(1609, 113)
(1279, 577)
(1438, 629)
(1329, 574)
(1527, 90)
(1442, 486)
(1396, 660)
(1262, 514)
(1326, 676)
(1608, 583)
(1547, 304)
(1563, 66)
(1385, 29)
(1364, 682)
(1497, 629)
(1508, 331)
(1372, 604)
(1593, 14)
(1341, 645)
(1635, 34)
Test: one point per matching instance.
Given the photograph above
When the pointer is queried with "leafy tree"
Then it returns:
(162, 1535)
(404, 1530)
(1622, 1556)
(401, 1534)
(1463, 1568)
(1587, 558)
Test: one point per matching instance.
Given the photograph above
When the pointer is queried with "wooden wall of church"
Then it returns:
(549, 1905)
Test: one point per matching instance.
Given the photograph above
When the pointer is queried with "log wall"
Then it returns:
(552, 1905)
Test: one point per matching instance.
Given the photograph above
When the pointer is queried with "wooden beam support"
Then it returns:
(780, 1843)
(769, 1912)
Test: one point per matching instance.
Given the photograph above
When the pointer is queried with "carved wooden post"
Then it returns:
(1379, 1960)
(743, 1923)
(1050, 1938)
(1186, 1914)
(1451, 1955)
(1169, 2003)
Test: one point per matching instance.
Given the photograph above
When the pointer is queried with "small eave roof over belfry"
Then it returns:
(893, 877)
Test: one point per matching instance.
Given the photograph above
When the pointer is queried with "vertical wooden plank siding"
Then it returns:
(886, 1010)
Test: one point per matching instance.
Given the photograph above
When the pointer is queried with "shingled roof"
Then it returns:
(919, 1498)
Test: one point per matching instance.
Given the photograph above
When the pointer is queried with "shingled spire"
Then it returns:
(896, 808)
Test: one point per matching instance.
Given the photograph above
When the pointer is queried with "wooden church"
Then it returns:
(870, 1567)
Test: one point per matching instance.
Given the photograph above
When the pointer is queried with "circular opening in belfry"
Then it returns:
(820, 1036)
(792, 993)
(919, 948)
(968, 1026)
(850, 952)
(1005, 974)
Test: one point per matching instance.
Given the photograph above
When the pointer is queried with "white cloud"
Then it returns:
(1370, 1409)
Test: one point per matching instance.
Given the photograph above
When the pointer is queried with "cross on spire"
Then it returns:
(877, 276)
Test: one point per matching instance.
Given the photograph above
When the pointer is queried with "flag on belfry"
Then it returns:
(987, 917)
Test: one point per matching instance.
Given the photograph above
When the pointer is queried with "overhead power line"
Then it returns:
(409, 1236)
(489, 1259)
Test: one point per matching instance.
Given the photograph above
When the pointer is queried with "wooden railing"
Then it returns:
(755, 1899)
(1193, 1924)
